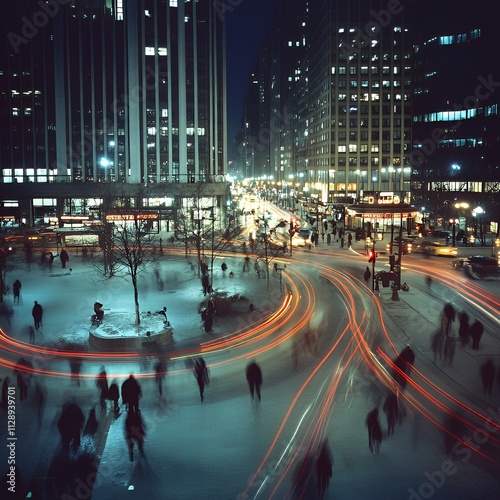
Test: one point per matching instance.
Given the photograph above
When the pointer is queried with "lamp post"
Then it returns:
(477, 213)
(361, 174)
(373, 258)
(454, 222)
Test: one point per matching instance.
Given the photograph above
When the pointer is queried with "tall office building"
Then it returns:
(456, 118)
(114, 91)
(359, 93)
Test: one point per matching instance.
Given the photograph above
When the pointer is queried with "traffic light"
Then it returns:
(392, 261)
(373, 256)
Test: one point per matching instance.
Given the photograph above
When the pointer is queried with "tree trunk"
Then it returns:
(136, 301)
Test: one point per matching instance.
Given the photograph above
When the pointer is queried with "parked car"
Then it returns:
(302, 237)
(479, 266)
(435, 248)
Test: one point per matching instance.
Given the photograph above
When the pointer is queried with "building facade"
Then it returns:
(111, 92)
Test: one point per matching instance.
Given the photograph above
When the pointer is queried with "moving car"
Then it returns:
(435, 248)
(406, 248)
(478, 266)
(302, 237)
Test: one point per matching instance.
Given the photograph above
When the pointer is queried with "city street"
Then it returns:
(314, 387)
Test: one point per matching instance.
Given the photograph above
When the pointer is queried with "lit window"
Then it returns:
(150, 51)
(162, 51)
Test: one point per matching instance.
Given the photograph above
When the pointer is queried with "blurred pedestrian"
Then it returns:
(448, 318)
(464, 328)
(328, 239)
(202, 376)
(64, 258)
(449, 351)
(391, 410)
(91, 425)
(437, 346)
(5, 389)
(349, 240)
(16, 290)
(102, 384)
(160, 373)
(254, 379)
(131, 393)
(114, 396)
(224, 269)
(41, 399)
(23, 372)
(374, 431)
(246, 264)
(32, 334)
(324, 464)
(367, 275)
(476, 332)
(342, 242)
(75, 365)
(70, 425)
(487, 371)
(135, 432)
(37, 313)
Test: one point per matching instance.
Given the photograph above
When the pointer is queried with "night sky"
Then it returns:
(247, 25)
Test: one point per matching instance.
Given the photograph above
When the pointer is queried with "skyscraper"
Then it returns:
(129, 92)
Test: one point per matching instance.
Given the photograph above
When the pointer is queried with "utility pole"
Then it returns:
(397, 268)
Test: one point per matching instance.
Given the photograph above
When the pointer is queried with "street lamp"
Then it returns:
(453, 222)
(361, 174)
(478, 212)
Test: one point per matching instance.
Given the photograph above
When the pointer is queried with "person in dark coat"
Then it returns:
(324, 465)
(75, 366)
(160, 372)
(404, 362)
(487, 371)
(131, 392)
(201, 374)
(205, 284)
(70, 425)
(367, 275)
(391, 410)
(114, 395)
(476, 332)
(464, 328)
(23, 377)
(37, 313)
(102, 384)
(374, 431)
(135, 432)
(448, 318)
(64, 258)
(16, 290)
(254, 379)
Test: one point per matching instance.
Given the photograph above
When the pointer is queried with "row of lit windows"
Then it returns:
(373, 148)
(150, 51)
(464, 114)
(454, 39)
(373, 96)
(461, 143)
(353, 70)
(375, 84)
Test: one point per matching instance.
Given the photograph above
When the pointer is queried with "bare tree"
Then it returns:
(133, 248)
(266, 249)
